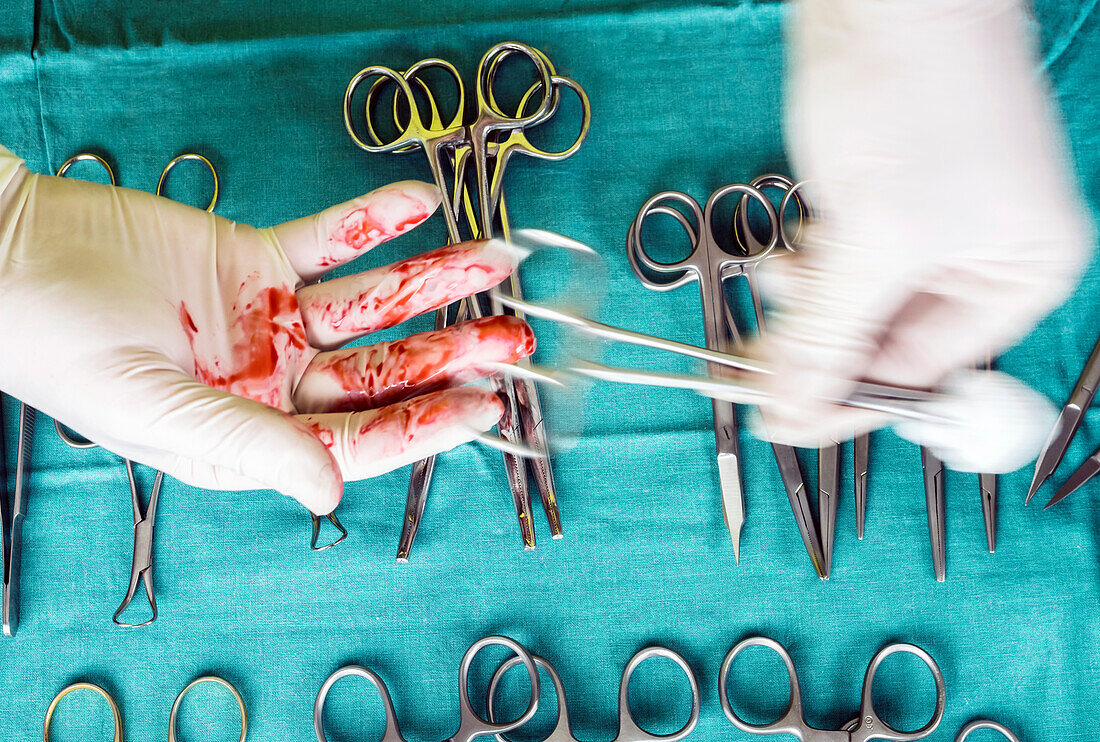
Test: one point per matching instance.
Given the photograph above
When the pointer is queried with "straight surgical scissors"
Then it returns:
(141, 567)
(489, 141)
(470, 725)
(868, 725)
(709, 265)
(629, 729)
(117, 714)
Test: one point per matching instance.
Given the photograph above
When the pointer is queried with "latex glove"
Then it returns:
(204, 348)
(949, 218)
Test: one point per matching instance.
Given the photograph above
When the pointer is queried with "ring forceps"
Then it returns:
(141, 567)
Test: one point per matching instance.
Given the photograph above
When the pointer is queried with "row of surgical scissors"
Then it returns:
(13, 509)
(452, 145)
(712, 258)
(868, 725)
(116, 713)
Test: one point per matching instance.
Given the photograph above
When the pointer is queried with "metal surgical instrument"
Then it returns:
(987, 486)
(199, 681)
(470, 726)
(12, 513)
(868, 725)
(629, 729)
(709, 265)
(934, 478)
(141, 566)
(117, 714)
(489, 140)
(1065, 428)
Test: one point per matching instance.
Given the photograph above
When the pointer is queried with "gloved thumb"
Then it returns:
(231, 440)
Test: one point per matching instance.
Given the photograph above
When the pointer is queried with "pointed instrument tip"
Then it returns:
(1036, 483)
(1084, 473)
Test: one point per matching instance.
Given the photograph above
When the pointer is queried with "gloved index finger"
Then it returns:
(320, 242)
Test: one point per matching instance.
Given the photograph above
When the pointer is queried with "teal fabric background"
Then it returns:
(685, 96)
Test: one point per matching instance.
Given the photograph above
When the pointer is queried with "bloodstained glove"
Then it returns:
(206, 348)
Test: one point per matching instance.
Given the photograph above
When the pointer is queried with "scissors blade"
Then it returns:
(1068, 421)
(733, 503)
(988, 485)
(934, 499)
(791, 474)
(828, 483)
(860, 456)
(1065, 427)
(1084, 473)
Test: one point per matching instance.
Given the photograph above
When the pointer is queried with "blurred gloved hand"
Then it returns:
(949, 217)
(206, 349)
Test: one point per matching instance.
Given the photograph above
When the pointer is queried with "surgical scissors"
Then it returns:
(141, 567)
(709, 265)
(1073, 412)
(489, 140)
(629, 729)
(117, 714)
(470, 726)
(868, 725)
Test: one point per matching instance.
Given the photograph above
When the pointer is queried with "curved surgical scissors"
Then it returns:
(629, 729)
(470, 727)
(867, 726)
(141, 567)
(117, 714)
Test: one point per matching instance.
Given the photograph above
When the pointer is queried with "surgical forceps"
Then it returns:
(1064, 429)
(470, 725)
(709, 265)
(453, 143)
(12, 513)
(117, 714)
(987, 486)
(629, 729)
(868, 725)
(934, 500)
(141, 567)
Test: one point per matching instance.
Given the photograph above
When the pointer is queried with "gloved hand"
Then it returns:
(205, 348)
(949, 217)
